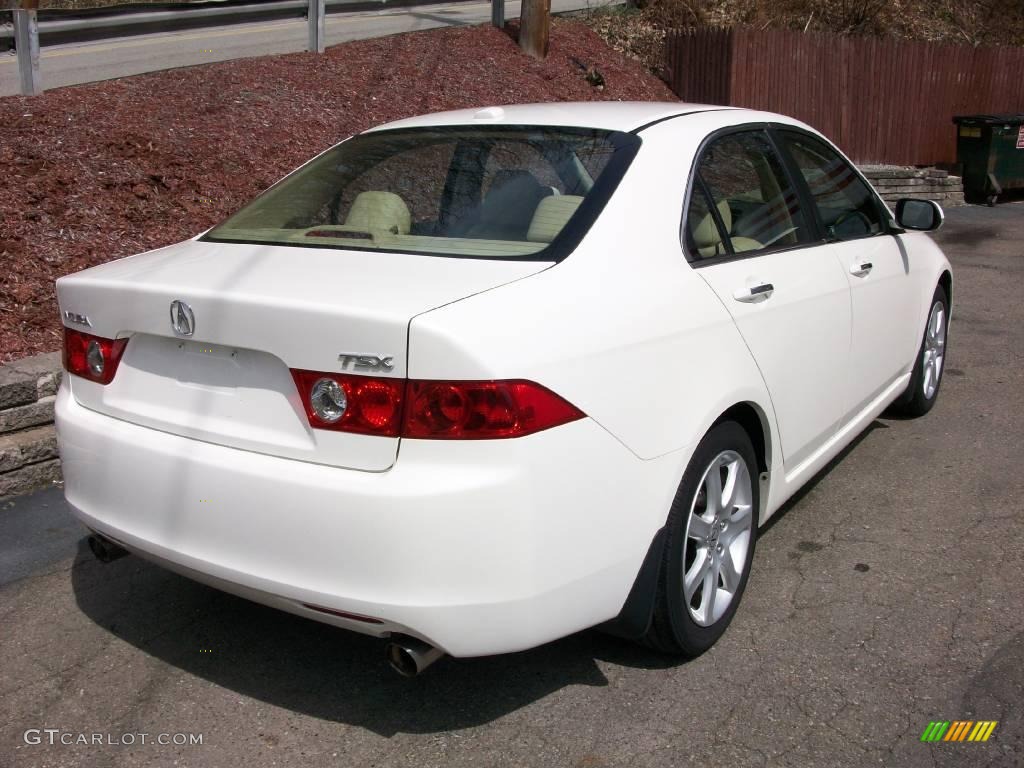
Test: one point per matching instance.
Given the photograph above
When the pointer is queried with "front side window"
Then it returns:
(476, 192)
(742, 200)
(846, 204)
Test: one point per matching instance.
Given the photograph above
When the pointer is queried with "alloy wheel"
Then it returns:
(934, 352)
(718, 535)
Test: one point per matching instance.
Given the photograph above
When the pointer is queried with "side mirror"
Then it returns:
(919, 215)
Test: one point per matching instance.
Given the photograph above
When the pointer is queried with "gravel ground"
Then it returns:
(889, 594)
(96, 172)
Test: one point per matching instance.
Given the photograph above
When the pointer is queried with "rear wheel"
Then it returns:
(712, 527)
(926, 378)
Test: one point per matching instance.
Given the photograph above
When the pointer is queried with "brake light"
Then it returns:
(364, 405)
(433, 410)
(475, 410)
(92, 357)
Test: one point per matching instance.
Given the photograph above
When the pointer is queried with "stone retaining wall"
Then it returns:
(28, 445)
(894, 182)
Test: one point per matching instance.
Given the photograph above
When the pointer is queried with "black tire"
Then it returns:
(914, 402)
(673, 629)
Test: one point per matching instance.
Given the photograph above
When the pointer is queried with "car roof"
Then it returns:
(608, 115)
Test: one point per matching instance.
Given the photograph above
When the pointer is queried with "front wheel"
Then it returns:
(926, 378)
(712, 527)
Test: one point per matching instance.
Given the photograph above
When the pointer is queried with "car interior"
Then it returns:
(457, 193)
(847, 208)
(755, 207)
(384, 218)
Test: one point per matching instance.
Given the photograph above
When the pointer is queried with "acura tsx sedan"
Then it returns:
(478, 380)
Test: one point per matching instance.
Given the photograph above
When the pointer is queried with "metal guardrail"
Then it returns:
(27, 26)
(104, 21)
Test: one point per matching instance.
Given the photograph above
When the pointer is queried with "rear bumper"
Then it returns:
(477, 547)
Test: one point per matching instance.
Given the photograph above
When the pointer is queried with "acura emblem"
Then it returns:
(183, 321)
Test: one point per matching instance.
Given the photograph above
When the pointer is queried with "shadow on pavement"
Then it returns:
(995, 692)
(322, 671)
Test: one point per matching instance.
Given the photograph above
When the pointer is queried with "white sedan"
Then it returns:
(478, 380)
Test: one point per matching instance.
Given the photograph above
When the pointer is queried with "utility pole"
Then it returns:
(535, 27)
(498, 13)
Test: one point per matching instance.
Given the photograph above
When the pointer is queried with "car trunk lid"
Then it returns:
(259, 310)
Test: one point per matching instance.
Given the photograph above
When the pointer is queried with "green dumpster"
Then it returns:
(990, 149)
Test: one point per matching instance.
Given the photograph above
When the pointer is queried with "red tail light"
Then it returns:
(435, 410)
(92, 357)
(474, 410)
(369, 406)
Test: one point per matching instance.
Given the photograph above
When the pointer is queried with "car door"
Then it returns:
(856, 224)
(751, 240)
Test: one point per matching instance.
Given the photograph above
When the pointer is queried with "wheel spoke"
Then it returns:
(700, 528)
(739, 520)
(713, 488)
(730, 573)
(695, 575)
(709, 595)
(729, 491)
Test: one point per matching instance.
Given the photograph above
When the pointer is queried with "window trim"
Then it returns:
(694, 177)
(803, 190)
(779, 130)
(796, 179)
(701, 188)
(626, 144)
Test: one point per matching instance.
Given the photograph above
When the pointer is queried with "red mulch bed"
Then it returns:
(96, 172)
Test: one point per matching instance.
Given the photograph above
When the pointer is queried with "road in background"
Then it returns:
(889, 594)
(62, 65)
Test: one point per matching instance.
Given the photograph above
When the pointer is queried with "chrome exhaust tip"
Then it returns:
(409, 656)
(105, 550)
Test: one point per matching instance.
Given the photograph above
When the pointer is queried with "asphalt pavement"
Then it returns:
(888, 595)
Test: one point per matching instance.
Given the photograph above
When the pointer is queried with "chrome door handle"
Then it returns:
(860, 268)
(756, 293)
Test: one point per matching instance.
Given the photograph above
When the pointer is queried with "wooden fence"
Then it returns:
(880, 100)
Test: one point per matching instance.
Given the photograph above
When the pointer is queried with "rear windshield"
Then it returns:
(493, 192)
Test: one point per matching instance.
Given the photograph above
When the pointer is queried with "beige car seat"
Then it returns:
(708, 240)
(507, 207)
(379, 212)
(551, 216)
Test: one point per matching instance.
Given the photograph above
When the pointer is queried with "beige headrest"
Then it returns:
(551, 216)
(381, 212)
(705, 234)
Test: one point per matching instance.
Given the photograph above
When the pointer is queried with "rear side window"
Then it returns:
(742, 200)
(847, 206)
(475, 192)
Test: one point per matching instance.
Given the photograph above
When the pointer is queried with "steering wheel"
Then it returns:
(849, 215)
